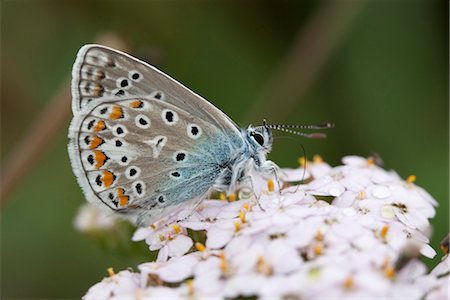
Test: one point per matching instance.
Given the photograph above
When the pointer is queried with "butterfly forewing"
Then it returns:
(100, 72)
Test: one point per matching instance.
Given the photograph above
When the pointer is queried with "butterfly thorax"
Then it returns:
(252, 156)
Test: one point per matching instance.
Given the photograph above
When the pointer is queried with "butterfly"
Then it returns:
(142, 144)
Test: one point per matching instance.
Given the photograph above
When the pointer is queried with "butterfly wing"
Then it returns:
(140, 142)
(100, 72)
(143, 155)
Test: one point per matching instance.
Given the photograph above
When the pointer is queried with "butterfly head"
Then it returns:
(260, 138)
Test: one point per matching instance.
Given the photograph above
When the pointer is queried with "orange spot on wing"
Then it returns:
(100, 159)
(136, 104)
(123, 200)
(108, 178)
(95, 142)
(116, 113)
(99, 126)
(98, 90)
(120, 192)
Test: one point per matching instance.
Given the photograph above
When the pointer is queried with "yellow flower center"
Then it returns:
(302, 161)
(232, 197)
(176, 228)
(411, 179)
(317, 159)
(270, 185)
(200, 247)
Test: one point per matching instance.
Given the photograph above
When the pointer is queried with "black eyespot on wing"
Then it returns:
(118, 143)
(159, 142)
(110, 196)
(258, 138)
(142, 121)
(124, 83)
(98, 180)
(169, 116)
(90, 124)
(90, 159)
(161, 199)
(180, 156)
(194, 130)
(103, 110)
(175, 174)
(119, 130)
(120, 93)
(135, 76)
(124, 159)
(87, 140)
(139, 188)
(158, 95)
(133, 172)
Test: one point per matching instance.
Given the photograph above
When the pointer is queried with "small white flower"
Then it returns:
(170, 240)
(341, 236)
(90, 218)
(121, 285)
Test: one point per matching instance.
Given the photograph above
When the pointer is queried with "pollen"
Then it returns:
(319, 236)
(110, 272)
(222, 197)
(107, 178)
(242, 216)
(100, 159)
(270, 185)
(232, 197)
(136, 104)
(370, 161)
(263, 267)
(389, 272)
(237, 226)
(190, 286)
(200, 247)
(411, 179)
(302, 161)
(318, 250)
(176, 228)
(384, 231)
(361, 195)
(95, 142)
(348, 283)
(317, 159)
(246, 206)
(223, 263)
(117, 113)
(99, 126)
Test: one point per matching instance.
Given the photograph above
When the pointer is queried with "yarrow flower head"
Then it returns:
(346, 232)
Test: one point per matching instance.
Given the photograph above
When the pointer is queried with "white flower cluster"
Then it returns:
(353, 231)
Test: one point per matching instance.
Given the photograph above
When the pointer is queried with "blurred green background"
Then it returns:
(377, 69)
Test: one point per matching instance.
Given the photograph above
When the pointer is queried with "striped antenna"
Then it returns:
(285, 128)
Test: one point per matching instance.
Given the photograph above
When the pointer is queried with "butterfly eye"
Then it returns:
(258, 138)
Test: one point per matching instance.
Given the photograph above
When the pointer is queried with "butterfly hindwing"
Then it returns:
(143, 155)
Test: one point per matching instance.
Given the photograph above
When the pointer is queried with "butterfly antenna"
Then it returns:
(287, 128)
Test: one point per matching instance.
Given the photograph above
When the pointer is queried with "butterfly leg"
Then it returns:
(250, 180)
(269, 167)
